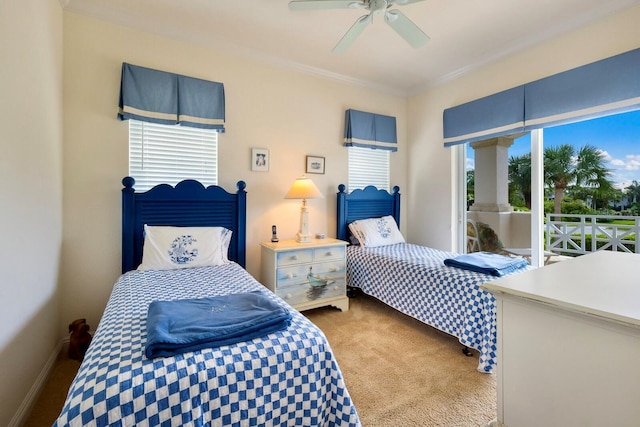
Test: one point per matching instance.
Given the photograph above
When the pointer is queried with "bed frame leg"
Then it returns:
(467, 352)
(351, 291)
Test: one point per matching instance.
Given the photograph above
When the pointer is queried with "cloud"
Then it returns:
(624, 170)
(605, 155)
(470, 163)
(632, 162)
(622, 185)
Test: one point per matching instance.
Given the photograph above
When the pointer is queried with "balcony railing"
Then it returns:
(580, 234)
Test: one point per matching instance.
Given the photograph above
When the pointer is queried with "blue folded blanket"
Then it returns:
(180, 326)
(488, 263)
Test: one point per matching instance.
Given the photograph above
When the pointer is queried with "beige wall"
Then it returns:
(30, 194)
(431, 202)
(289, 113)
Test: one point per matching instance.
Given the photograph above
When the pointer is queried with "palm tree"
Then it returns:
(563, 167)
(605, 194)
(633, 191)
(520, 176)
(558, 171)
(471, 182)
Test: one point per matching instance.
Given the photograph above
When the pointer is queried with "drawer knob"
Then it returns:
(333, 269)
(294, 257)
(288, 296)
(329, 253)
(291, 276)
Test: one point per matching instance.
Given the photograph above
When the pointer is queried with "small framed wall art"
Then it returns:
(260, 160)
(315, 164)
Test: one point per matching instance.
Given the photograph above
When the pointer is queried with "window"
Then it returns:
(368, 167)
(163, 154)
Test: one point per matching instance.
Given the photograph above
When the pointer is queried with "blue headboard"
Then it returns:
(189, 203)
(362, 204)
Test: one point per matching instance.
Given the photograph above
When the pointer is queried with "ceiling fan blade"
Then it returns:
(402, 2)
(356, 29)
(406, 28)
(326, 4)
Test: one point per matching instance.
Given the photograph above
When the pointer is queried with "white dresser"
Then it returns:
(569, 343)
(306, 275)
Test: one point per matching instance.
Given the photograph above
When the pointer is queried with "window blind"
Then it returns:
(368, 167)
(162, 154)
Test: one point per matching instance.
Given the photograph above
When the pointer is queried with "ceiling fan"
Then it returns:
(396, 19)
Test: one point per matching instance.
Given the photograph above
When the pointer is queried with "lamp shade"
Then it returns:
(303, 188)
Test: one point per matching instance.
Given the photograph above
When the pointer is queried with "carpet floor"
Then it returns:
(401, 372)
(398, 371)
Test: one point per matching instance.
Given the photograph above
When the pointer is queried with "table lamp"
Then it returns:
(303, 188)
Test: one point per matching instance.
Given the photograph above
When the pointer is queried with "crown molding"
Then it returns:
(103, 12)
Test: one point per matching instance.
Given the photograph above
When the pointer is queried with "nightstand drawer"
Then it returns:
(287, 276)
(304, 293)
(294, 257)
(320, 268)
(310, 274)
(326, 254)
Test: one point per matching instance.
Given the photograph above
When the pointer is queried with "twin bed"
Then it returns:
(414, 279)
(288, 377)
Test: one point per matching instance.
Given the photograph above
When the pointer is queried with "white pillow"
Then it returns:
(374, 232)
(169, 248)
(353, 236)
(225, 237)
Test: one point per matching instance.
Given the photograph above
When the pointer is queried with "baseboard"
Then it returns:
(34, 392)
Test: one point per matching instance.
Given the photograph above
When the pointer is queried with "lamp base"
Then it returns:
(304, 238)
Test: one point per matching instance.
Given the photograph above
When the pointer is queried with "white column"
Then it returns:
(492, 174)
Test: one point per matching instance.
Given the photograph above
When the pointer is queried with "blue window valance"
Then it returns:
(488, 117)
(166, 98)
(605, 87)
(362, 129)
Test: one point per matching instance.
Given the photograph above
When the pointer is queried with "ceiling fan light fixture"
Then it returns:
(378, 7)
(402, 25)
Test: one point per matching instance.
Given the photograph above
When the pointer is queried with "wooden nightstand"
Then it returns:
(306, 275)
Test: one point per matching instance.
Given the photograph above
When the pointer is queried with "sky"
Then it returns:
(618, 137)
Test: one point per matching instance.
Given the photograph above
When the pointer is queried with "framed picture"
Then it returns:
(315, 164)
(260, 160)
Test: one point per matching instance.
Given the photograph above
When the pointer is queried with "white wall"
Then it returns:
(30, 193)
(431, 197)
(289, 113)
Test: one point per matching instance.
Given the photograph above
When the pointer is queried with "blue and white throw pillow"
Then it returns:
(169, 248)
(375, 232)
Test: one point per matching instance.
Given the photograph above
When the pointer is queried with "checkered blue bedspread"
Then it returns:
(414, 280)
(288, 378)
